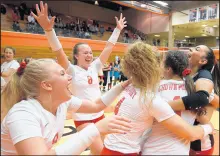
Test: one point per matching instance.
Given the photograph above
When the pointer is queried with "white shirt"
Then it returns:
(141, 116)
(28, 119)
(85, 85)
(31, 19)
(161, 141)
(7, 65)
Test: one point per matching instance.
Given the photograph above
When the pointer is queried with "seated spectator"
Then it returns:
(16, 26)
(22, 12)
(87, 35)
(31, 19)
(15, 14)
(3, 9)
(96, 30)
(102, 30)
(10, 65)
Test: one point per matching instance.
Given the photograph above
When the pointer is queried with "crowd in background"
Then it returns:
(76, 27)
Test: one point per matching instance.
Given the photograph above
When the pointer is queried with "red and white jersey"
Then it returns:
(85, 85)
(161, 141)
(141, 113)
(28, 119)
(7, 65)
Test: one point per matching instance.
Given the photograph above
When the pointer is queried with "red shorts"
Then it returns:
(106, 151)
(78, 123)
(207, 152)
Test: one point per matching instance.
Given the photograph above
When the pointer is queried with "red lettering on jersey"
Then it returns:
(170, 86)
(131, 91)
(55, 139)
(176, 98)
(89, 79)
(118, 105)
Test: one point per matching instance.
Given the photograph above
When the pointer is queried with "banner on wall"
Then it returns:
(202, 14)
(193, 15)
(212, 11)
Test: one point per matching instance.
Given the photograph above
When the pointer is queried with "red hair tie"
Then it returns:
(186, 71)
(20, 70)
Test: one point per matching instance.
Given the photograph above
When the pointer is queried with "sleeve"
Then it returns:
(205, 74)
(97, 64)
(70, 70)
(15, 65)
(160, 109)
(74, 103)
(23, 125)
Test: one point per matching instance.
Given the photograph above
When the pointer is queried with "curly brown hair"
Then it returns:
(141, 63)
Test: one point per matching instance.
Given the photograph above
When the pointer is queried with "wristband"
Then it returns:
(53, 40)
(78, 142)
(110, 96)
(207, 129)
(114, 37)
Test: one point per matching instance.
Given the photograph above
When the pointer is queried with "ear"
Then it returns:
(203, 61)
(76, 57)
(45, 85)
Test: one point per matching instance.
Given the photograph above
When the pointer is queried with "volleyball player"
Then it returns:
(34, 114)
(84, 71)
(139, 103)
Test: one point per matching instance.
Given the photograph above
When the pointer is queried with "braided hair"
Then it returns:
(178, 62)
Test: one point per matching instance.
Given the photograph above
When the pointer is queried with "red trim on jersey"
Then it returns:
(78, 123)
(106, 151)
(207, 152)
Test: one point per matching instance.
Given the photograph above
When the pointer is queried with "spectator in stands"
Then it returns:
(22, 12)
(10, 65)
(102, 30)
(16, 26)
(126, 37)
(15, 14)
(31, 19)
(87, 35)
(116, 72)
(111, 73)
(3, 9)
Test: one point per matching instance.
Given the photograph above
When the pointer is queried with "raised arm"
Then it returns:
(113, 39)
(47, 24)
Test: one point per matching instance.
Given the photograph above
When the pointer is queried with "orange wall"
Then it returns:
(36, 40)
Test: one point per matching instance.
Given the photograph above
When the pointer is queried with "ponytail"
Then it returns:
(11, 94)
(216, 77)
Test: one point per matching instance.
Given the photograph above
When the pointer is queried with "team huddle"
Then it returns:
(164, 108)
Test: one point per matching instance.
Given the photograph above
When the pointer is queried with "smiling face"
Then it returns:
(197, 56)
(84, 56)
(58, 83)
(9, 54)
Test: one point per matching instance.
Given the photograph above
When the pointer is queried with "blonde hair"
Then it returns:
(141, 63)
(25, 86)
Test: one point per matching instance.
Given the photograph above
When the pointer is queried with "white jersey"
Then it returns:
(161, 141)
(85, 85)
(28, 119)
(141, 114)
(7, 65)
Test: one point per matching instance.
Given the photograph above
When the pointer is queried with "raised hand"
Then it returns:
(121, 23)
(42, 17)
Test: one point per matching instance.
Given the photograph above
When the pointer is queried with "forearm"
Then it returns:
(215, 101)
(109, 45)
(102, 102)
(57, 48)
(204, 119)
(78, 142)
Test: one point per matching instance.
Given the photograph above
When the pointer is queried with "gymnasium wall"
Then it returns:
(147, 22)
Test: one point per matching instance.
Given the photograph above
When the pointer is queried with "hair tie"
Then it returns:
(20, 70)
(186, 72)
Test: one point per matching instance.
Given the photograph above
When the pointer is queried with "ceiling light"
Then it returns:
(143, 5)
(215, 26)
(184, 40)
(96, 3)
(186, 36)
(157, 35)
(161, 3)
(204, 25)
(204, 35)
